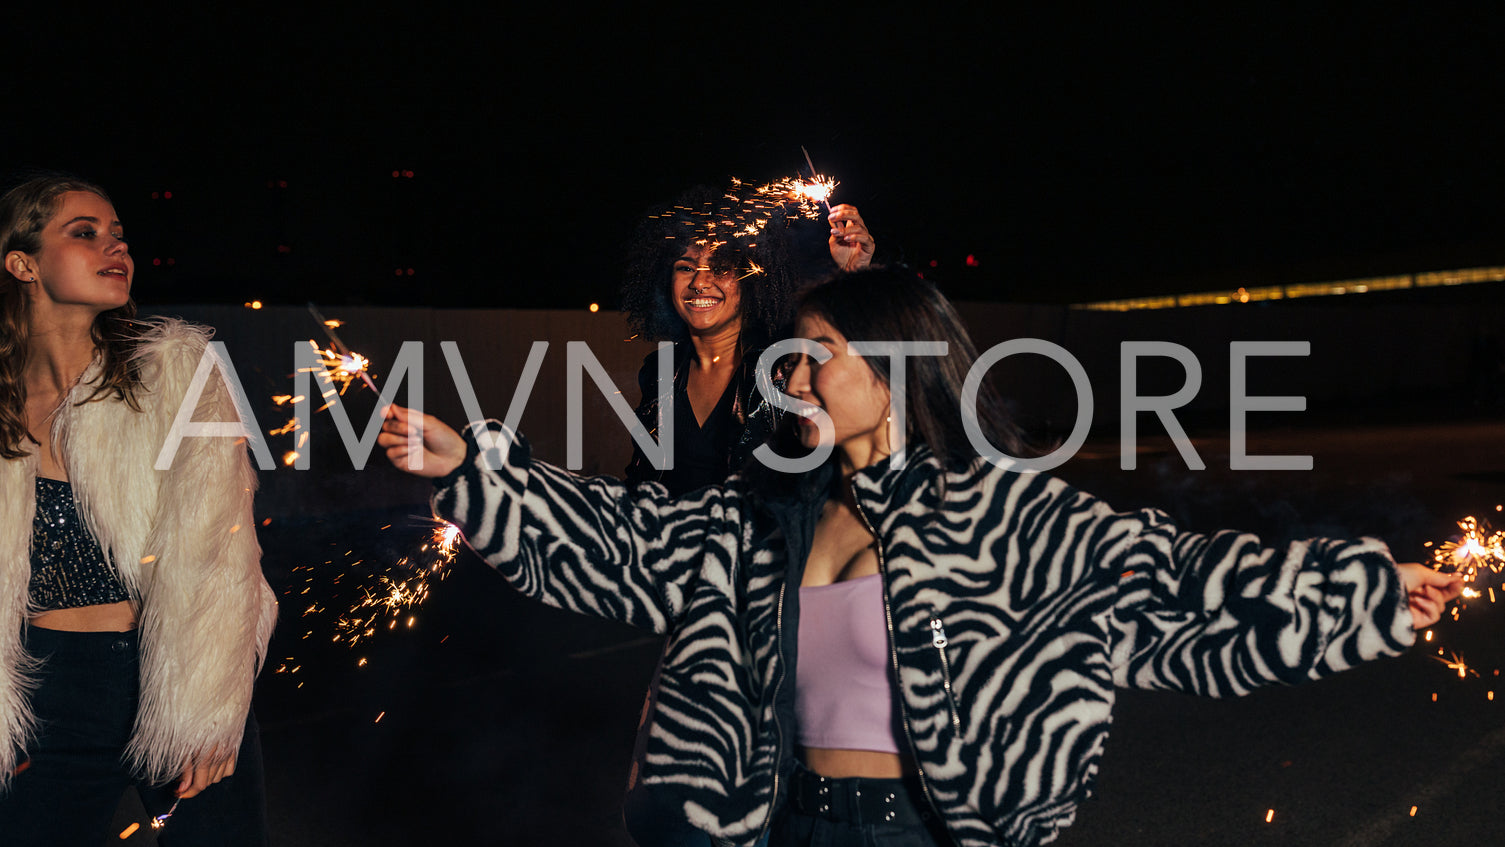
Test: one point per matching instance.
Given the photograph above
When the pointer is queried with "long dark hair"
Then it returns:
(767, 259)
(892, 303)
(25, 211)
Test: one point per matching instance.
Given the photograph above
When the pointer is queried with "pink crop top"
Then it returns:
(844, 696)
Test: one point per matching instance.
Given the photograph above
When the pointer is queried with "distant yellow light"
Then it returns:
(595, 307)
(254, 304)
(1269, 816)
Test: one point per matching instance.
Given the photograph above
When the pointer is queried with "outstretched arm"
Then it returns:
(1221, 614)
(592, 545)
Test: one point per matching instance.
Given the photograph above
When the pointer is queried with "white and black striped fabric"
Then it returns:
(1017, 603)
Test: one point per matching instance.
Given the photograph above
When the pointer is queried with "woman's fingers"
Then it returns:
(1428, 592)
(197, 777)
(852, 245)
(440, 450)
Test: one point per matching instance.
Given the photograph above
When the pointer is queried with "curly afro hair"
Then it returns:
(750, 230)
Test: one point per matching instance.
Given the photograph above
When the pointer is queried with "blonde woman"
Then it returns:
(133, 611)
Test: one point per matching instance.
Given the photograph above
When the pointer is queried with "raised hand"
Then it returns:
(851, 244)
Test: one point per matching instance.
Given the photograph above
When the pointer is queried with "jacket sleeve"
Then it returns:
(591, 545)
(208, 611)
(1221, 614)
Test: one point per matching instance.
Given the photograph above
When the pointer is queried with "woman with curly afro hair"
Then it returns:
(717, 273)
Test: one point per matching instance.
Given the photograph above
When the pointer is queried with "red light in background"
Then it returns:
(934, 263)
(171, 261)
(283, 248)
(410, 271)
(971, 261)
(156, 262)
(167, 195)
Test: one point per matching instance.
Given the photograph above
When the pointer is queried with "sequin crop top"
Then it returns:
(68, 569)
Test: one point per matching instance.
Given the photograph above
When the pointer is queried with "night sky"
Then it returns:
(1076, 154)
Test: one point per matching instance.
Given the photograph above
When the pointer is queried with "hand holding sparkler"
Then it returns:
(442, 449)
(1428, 592)
(851, 244)
(198, 776)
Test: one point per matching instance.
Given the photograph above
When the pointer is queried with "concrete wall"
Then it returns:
(1365, 354)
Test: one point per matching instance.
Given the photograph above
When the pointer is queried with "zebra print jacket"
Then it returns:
(1015, 604)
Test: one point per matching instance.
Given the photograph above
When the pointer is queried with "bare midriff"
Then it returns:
(840, 764)
(106, 617)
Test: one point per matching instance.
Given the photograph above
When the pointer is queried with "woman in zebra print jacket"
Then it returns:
(1010, 604)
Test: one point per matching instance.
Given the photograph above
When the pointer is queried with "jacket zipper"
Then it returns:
(939, 642)
(778, 733)
(893, 651)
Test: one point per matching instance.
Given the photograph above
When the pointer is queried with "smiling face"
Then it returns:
(82, 262)
(854, 397)
(709, 303)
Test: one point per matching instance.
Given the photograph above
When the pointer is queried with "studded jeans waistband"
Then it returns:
(857, 800)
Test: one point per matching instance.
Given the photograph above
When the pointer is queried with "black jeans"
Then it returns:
(66, 794)
(837, 818)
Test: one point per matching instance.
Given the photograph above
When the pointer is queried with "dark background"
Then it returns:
(1076, 153)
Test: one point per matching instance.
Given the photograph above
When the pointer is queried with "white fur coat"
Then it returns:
(183, 541)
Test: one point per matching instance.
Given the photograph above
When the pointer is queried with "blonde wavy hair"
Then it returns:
(24, 212)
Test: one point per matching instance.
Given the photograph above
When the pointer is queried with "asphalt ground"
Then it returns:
(492, 720)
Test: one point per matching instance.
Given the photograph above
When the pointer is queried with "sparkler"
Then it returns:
(394, 595)
(1477, 548)
(819, 188)
(1456, 662)
(338, 365)
(161, 820)
(744, 211)
(349, 363)
(752, 270)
